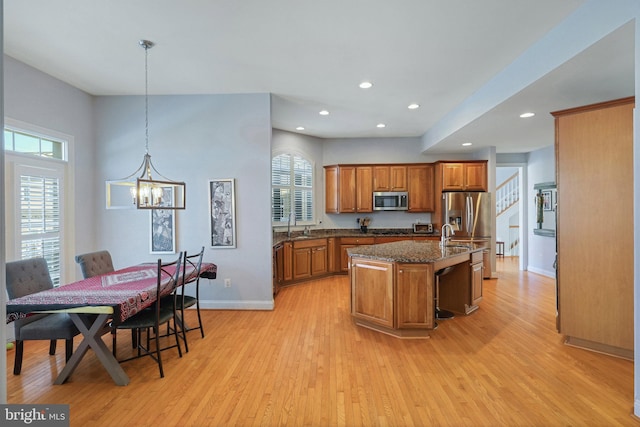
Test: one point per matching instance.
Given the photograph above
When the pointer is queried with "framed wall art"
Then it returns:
(222, 213)
(163, 226)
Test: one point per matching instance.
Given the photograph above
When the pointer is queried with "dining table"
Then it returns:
(93, 303)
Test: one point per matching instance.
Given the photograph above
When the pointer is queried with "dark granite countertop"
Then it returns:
(346, 232)
(423, 251)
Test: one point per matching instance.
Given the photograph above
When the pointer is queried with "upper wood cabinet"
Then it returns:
(348, 189)
(420, 184)
(390, 178)
(464, 176)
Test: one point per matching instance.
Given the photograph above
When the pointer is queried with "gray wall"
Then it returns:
(194, 138)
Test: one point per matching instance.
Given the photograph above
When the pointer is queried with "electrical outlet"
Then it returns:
(227, 283)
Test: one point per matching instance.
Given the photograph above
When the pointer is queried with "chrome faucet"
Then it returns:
(443, 235)
(289, 223)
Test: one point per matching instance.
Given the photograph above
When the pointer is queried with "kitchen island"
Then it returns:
(393, 284)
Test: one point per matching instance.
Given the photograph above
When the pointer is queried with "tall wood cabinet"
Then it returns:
(594, 172)
(348, 189)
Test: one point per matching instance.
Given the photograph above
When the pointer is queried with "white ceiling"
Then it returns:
(311, 55)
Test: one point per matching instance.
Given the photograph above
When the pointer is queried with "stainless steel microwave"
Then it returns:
(390, 201)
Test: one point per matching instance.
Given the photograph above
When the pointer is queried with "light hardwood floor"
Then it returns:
(305, 363)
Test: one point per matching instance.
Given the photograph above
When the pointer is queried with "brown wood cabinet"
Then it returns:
(477, 268)
(287, 261)
(594, 179)
(309, 258)
(350, 242)
(414, 300)
(373, 301)
(420, 186)
(464, 176)
(390, 178)
(348, 189)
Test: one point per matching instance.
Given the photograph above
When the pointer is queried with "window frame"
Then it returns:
(292, 187)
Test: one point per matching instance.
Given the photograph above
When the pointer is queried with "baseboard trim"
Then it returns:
(542, 272)
(599, 347)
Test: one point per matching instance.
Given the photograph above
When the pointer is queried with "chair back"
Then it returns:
(95, 263)
(27, 276)
(192, 261)
(168, 276)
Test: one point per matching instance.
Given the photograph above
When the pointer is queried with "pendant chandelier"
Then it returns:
(146, 188)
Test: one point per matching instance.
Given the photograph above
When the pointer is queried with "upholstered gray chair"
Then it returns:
(27, 277)
(95, 263)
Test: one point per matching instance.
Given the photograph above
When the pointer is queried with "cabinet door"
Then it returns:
(453, 176)
(331, 255)
(331, 187)
(398, 178)
(372, 291)
(475, 176)
(347, 189)
(381, 178)
(301, 263)
(344, 257)
(414, 296)
(476, 283)
(318, 260)
(288, 262)
(364, 192)
(420, 183)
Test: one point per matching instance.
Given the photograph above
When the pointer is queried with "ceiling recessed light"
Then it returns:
(525, 115)
(324, 113)
(413, 106)
(365, 85)
(300, 128)
(381, 125)
(466, 144)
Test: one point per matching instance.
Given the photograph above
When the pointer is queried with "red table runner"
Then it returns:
(128, 291)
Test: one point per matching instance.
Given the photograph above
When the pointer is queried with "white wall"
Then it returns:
(194, 138)
(542, 249)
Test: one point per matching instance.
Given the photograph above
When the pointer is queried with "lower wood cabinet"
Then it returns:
(373, 300)
(477, 268)
(350, 242)
(414, 296)
(309, 258)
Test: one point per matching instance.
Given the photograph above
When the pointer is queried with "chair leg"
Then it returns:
(68, 349)
(17, 363)
(158, 351)
(183, 328)
(113, 340)
(52, 347)
(200, 320)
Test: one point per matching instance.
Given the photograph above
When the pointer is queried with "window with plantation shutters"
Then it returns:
(291, 189)
(36, 159)
(39, 215)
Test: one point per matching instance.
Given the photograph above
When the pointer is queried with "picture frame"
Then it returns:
(163, 226)
(222, 213)
(547, 200)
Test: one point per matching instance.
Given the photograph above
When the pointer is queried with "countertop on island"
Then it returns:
(412, 251)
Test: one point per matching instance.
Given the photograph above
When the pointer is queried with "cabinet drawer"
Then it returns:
(476, 257)
(311, 243)
(357, 240)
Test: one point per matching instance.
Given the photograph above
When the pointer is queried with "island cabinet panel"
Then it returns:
(414, 296)
(594, 178)
(477, 269)
(420, 184)
(372, 300)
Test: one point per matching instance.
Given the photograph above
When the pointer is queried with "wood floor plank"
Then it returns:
(306, 363)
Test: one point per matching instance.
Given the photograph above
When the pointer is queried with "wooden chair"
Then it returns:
(27, 277)
(156, 315)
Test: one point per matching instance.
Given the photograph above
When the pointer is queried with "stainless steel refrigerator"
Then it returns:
(469, 213)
